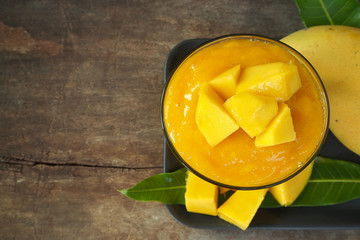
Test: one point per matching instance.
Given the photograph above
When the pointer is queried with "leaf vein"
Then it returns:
(155, 189)
(326, 12)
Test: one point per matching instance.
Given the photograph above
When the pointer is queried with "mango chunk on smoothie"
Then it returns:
(252, 112)
(225, 83)
(201, 196)
(212, 118)
(280, 129)
(287, 192)
(279, 80)
(241, 207)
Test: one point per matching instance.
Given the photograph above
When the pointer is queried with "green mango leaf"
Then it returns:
(168, 188)
(270, 202)
(332, 182)
(329, 12)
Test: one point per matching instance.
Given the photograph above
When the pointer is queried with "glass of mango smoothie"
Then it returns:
(244, 112)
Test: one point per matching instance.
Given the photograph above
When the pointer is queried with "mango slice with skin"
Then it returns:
(225, 83)
(252, 112)
(279, 80)
(201, 196)
(211, 117)
(280, 129)
(241, 207)
(286, 193)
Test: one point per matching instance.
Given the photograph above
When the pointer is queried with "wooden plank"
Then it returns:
(81, 82)
(72, 202)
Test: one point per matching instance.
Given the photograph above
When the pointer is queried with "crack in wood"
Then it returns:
(22, 162)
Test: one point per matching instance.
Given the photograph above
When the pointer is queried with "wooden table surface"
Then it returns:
(80, 86)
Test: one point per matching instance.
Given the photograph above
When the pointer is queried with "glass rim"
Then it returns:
(300, 58)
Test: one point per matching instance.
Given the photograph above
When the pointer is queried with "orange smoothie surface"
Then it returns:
(236, 161)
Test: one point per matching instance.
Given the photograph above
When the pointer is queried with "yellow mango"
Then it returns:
(279, 80)
(334, 51)
(280, 129)
(286, 193)
(225, 83)
(252, 112)
(212, 118)
(200, 196)
(241, 207)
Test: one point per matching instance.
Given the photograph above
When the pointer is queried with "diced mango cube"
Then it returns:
(211, 117)
(241, 207)
(225, 83)
(252, 112)
(279, 80)
(286, 193)
(200, 196)
(280, 129)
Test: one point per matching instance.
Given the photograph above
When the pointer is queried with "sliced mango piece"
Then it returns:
(200, 196)
(212, 118)
(280, 129)
(279, 80)
(241, 207)
(252, 112)
(225, 83)
(286, 193)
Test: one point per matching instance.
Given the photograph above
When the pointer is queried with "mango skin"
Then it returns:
(334, 52)
(201, 196)
(286, 193)
(213, 120)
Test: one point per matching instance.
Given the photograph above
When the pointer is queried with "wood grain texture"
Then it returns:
(62, 202)
(97, 101)
(80, 86)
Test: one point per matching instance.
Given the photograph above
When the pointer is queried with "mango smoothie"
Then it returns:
(236, 162)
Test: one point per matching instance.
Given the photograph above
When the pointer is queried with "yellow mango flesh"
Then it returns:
(252, 112)
(286, 193)
(211, 117)
(334, 51)
(200, 196)
(225, 83)
(279, 80)
(280, 129)
(241, 207)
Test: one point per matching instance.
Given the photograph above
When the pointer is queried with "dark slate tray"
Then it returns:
(341, 216)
